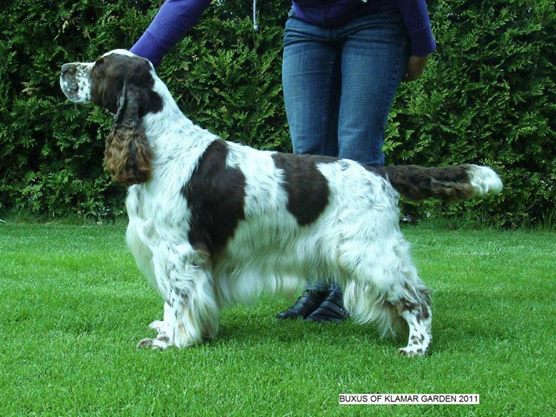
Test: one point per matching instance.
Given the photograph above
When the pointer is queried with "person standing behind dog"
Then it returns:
(343, 61)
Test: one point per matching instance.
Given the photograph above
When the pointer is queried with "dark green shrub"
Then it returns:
(487, 97)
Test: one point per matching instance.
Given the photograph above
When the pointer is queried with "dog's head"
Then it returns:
(122, 83)
(112, 79)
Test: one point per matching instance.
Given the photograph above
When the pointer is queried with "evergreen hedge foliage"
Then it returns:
(487, 96)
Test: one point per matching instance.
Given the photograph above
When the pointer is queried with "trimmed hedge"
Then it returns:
(487, 97)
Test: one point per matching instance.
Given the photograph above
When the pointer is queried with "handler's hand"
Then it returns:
(415, 67)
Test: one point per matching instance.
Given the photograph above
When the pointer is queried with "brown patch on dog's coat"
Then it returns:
(215, 194)
(419, 183)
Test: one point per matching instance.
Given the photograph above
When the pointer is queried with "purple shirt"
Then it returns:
(176, 17)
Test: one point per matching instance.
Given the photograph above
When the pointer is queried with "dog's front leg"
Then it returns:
(190, 309)
(164, 326)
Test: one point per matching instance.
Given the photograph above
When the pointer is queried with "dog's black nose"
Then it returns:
(68, 68)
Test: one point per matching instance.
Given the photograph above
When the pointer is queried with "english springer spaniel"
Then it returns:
(213, 222)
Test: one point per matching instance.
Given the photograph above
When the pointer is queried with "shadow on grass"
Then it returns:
(259, 326)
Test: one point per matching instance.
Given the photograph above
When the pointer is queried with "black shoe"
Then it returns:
(331, 309)
(304, 305)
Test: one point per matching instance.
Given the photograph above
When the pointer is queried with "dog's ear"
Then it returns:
(127, 154)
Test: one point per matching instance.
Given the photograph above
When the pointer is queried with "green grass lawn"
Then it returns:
(74, 306)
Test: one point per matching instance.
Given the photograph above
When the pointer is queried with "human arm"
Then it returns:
(174, 19)
(416, 19)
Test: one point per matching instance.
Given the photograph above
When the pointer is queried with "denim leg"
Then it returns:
(319, 286)
(373, 62)
(323, 286)
(310, 79)
(339, 86)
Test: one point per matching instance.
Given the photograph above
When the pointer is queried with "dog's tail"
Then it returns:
(460, 182)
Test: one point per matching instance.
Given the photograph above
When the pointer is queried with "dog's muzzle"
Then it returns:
(74, 83)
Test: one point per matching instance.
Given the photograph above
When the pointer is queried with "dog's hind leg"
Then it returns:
(418, 317)
(190, 310)
(384, 288)
(368, 303)
(412, 302)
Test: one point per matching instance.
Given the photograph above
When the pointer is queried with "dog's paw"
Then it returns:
(412, 351)
(160, 343)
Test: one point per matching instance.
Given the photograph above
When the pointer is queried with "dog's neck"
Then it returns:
(171, 125)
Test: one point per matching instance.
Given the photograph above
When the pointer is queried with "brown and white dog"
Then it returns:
(213, 222)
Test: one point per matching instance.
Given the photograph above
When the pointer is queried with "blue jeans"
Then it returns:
(339, 85)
